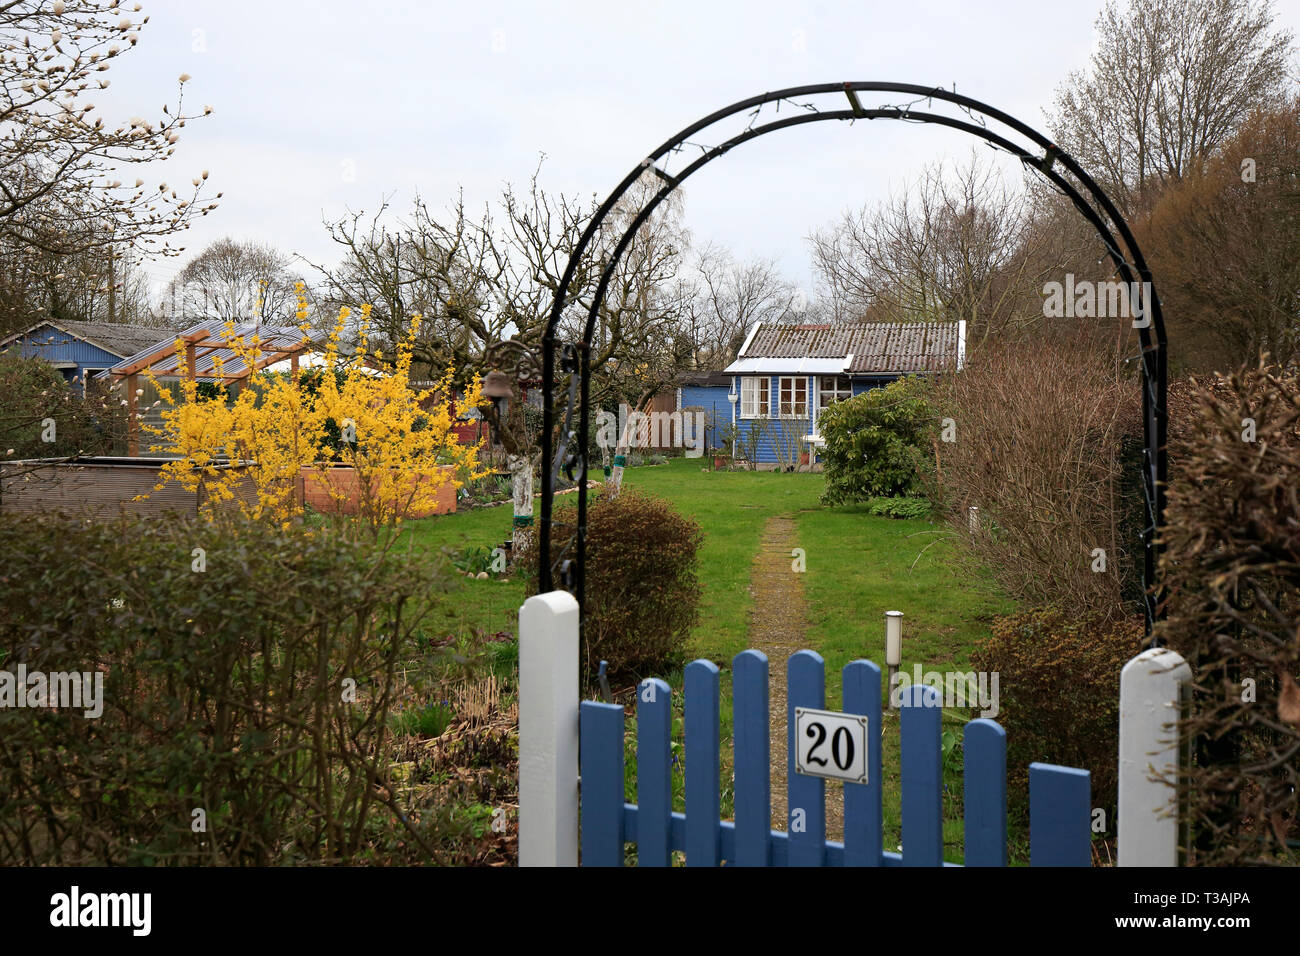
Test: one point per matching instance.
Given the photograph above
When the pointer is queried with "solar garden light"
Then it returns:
(893, 647)
(974, 520)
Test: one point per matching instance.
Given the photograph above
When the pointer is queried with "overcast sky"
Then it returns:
(326, 106)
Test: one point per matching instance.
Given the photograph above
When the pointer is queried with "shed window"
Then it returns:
(754, 397)
(832, 389)
(794, 397)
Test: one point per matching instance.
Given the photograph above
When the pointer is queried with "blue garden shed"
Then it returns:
(80, 350)
(786, 374)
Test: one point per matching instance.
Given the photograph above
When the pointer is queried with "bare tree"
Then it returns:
(1225, 245)
(1168, 82)
(484, 288)
(235, 281)
(959, 244)
(731, 297)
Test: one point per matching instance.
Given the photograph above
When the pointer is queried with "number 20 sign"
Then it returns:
(830, 744)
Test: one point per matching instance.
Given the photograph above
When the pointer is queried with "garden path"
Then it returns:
(777, 625)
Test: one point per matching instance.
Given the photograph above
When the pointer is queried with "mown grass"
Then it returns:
(857, 566)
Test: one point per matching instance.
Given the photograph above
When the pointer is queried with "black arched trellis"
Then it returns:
(1092, 203)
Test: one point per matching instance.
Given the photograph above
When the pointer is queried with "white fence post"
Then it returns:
(1148, 747)
(548, 730)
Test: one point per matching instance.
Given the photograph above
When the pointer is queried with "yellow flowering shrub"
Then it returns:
(400, 455)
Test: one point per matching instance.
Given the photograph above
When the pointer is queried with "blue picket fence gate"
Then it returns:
(1060, 815)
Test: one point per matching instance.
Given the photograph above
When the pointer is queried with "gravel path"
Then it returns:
(777, 629)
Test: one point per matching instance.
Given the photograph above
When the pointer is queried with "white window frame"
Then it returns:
(839, 394)
(793, 403)
(755, 396)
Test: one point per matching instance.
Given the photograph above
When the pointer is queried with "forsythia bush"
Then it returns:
(276, 426)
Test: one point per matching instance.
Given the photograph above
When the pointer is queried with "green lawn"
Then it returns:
(858, 566)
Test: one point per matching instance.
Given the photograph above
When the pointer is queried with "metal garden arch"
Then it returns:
(1038, 152)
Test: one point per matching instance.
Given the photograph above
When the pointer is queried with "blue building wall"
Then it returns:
(768, 447)
(52, 345)
(713, 399)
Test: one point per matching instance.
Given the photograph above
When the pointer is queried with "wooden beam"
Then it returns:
(161, 352)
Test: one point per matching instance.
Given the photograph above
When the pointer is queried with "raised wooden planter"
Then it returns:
(336, 489)
(102, 487)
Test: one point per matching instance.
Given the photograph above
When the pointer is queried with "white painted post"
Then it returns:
(1147, 827)
(548, 730)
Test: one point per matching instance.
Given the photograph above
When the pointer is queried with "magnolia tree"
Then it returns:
(400, 453)
(63, 163)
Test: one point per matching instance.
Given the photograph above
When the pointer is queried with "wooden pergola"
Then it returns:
(206, 354)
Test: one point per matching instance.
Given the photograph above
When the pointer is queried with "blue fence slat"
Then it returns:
(654, 785)
(921, 763)
(805, 687)
(600, 762)
(985, 794)
(751, 736)
(863, 819)
(703, 798)
(1059, 816)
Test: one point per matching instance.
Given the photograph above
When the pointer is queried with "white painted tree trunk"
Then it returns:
(614, 483)
(521, 487)
(615, 480)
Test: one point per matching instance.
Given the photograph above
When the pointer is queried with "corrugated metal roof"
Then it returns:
(887, 347)
(272, 338)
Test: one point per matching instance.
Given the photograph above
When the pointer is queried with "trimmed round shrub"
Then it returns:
(642, 587)
(878, 443)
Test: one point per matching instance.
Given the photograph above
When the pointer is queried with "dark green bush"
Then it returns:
(1058, 683)
(899, 507)
(32, 392)
(878, 443)
(642, 589)
(226, 690)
